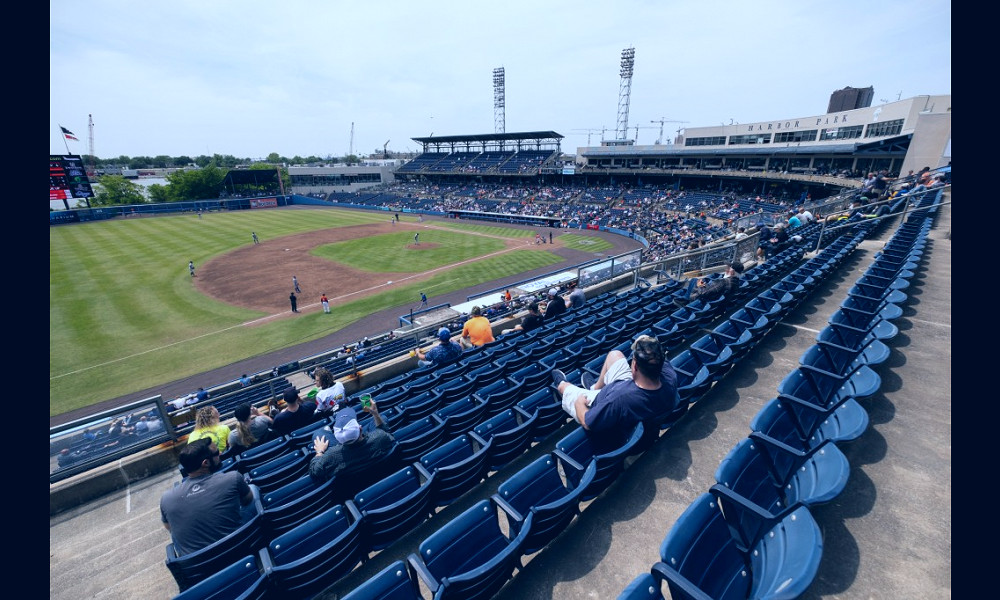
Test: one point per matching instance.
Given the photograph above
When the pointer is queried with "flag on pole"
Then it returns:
(69, 134)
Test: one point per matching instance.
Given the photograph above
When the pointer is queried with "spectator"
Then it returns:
(295, 415)
(331, 392)
(707, 289)
(768, 247)
(205, 506)
(252, 428)
(201, 395)
(207, 425)
(625, 394)
(741, 233)
(576, 299)
(532, 320)
(357, 450)
(445, 353)
(477, 330)
(244, 380)
(555, 307)
(794, 221)
(805, 216)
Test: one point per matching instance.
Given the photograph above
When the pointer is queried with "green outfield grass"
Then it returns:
(123, 316)
(585, 243)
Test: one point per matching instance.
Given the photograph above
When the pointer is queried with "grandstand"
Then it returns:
(869, 531)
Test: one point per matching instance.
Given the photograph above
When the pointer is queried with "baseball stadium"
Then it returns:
(790, 467)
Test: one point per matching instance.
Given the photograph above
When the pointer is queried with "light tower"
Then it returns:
(90, 145)
(624, 92)
(499, 103)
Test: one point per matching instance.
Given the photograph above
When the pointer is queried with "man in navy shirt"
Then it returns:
(627, 392)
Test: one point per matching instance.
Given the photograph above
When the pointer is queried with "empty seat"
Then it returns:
(575, 451)
(280, 471)
(500, 395)
(398, 581)
(420, 405)
(804, 425)
(314, 555)
(469, 557)
(511, 433)
(547, 409)
(774, 475)
(418, 438)
(461, 416)
(453, 389)
(294, 503)
(725, 547)
(244, 580)
(393, 506)
(532, 377)
(459, 465)
(693, 378)
(539, 490)
(258, 455)
(827, 388)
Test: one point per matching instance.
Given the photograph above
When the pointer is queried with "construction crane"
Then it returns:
(385, 153)
(637, 128)
(590, 131)
(659, 140)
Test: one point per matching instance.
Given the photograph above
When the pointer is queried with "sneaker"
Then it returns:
(558, 377)
(588, 380)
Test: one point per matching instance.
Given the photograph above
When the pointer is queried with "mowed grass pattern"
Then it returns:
(124, 316)
(585, 243)
(441, 248)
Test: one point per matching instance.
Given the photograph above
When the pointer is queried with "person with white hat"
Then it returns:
(556, 306)
(355, 449)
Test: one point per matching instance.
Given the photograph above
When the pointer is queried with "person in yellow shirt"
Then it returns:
(207, 425)
(477, 330)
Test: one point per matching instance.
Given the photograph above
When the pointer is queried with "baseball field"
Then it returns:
(126, 315)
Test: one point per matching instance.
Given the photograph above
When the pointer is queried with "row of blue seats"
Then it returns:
(451, 469)
(752, 534)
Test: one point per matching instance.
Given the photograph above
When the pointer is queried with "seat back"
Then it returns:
(280, 471)
(243, 580)
(500, 395)
(459, 465)
(394, 506)
(293, 503)
(510, 431)
(461, 415)
(575, 451)
(398, 581)
(469, 557)
(539, 490)
(419, 437)
(548, 410)
(314, 555)
(258, 455)
(532, 377)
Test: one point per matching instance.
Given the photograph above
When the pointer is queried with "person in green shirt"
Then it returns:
(207, 425)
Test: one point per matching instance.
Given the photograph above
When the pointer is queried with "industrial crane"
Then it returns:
(637, 128)
(590, 131)
(385, 153)
(659, 140)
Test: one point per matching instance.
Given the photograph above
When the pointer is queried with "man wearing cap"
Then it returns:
(627, 392)
(577, 298)
(477, 330)
(295, 415)
(556, 305)
(445, 353)
(356, 450)
(712, 289)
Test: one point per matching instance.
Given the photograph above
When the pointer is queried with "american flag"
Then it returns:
(69, 134)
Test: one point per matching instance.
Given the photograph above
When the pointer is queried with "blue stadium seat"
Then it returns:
(644, 587)
(575, 451)
(805, 426)
(511, 433)
(693, 378)
(538, 490)
(774, 475)
(827, 388)
(197, 566)
(281, 470)
(484, 375)
(459, 465)
(452, 389)
(398, 581)
(723, 547)
(418, 438)
(420, 405)
(461, 416)
(242, 580)
(500, 395)
(532, 377)
(469, 557)
(394, 506)
(547, 409)
(258, 455)
(313, 556)
(302, 437)
(290, 505)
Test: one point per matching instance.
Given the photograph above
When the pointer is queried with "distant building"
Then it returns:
(850, 98)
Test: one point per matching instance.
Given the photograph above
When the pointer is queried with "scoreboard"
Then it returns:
(68, 178)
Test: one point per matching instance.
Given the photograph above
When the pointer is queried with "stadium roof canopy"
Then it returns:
(489, 137)
(250, 177)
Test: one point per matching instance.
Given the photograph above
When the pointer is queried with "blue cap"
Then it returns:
(443, 334)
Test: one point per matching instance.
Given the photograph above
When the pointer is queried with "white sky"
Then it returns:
(247, 78)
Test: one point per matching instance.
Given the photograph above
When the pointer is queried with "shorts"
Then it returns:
(620, 370)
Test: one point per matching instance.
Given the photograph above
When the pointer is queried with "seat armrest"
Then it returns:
(425, 576)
